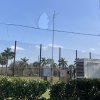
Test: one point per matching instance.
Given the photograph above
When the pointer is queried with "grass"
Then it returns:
(55, 79)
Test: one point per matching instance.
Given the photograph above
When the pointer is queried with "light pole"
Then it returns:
(53, 46)
(53, 34)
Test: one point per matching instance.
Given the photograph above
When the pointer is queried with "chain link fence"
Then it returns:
(28, 58)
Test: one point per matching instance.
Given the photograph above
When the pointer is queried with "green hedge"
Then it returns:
(19, 89)
(82, 89)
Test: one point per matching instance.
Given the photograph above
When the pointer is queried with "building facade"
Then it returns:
(88, 68)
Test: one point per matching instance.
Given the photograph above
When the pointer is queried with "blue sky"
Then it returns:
(71, 15)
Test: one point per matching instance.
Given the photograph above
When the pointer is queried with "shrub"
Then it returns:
(19, 89)
(82, 89)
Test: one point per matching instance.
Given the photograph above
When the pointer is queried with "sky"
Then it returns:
(70, 15)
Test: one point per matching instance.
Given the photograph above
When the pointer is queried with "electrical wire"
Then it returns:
(25, 26)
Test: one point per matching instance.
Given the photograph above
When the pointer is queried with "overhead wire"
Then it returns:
(56, 30)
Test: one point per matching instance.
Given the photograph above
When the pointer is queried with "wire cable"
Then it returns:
(25, 26)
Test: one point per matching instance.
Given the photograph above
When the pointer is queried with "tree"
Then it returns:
(63, 63)
(8, 54)
(3, 61)
(23, 64)
(43, 61)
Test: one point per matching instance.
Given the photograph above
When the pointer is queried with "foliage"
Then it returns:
(43, 62)
(19, 89)
(7, 54)
(63, 63)
(82, 89)
(57, 91)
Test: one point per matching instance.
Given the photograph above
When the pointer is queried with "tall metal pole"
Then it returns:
(53, 37)
(14, 58)
(76, 54)
(59, 62)
(40, 69)
(75, 64)
(59, 56)
(53, 46)
(90, 55)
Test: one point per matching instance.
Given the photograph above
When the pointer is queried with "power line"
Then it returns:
(62, 31)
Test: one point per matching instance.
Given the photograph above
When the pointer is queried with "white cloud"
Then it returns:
(17, 48)
(43, 47)
(43, 21)
(55, 46)
(49, 45)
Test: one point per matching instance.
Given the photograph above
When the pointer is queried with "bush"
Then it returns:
(82, 89)
(57, 91)
(19, 89)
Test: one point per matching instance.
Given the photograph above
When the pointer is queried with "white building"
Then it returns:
(89, 68)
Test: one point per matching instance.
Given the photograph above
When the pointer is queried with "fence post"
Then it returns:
(59, 56)
(59, 62)
(90, 55)
(14, 58)
(76, 54)
(40, 68)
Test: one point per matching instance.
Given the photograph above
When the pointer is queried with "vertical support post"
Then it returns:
(53, 37)
(40, 69)
(59, 62)
(14, 58)
(76, 54)
(59, 56)
(75, 64)
(90, 55)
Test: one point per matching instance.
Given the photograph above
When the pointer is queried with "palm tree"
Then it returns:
(3, 61)
(43, 62)
(23, 63)
(63, 63)
(8, 54)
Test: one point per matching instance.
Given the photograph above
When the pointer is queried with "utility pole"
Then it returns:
(14, 58)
